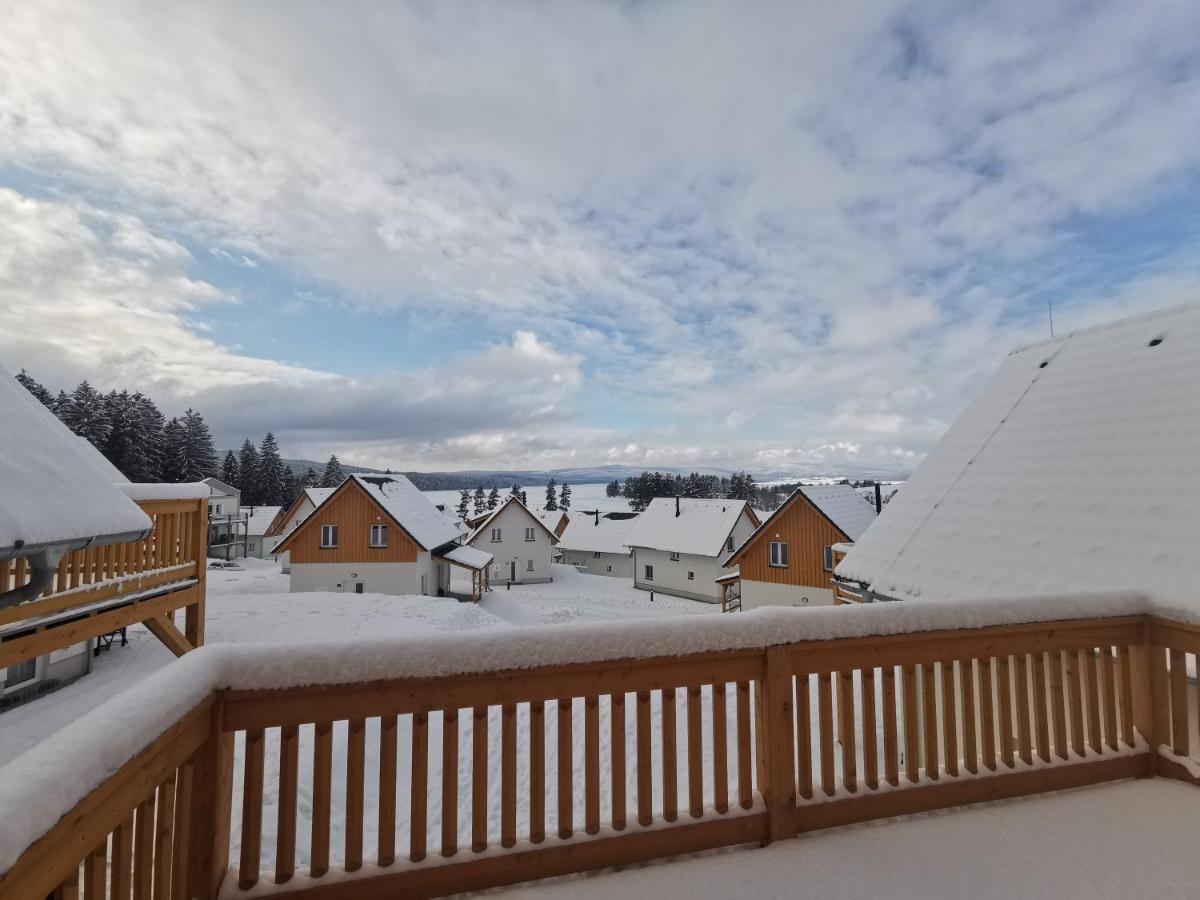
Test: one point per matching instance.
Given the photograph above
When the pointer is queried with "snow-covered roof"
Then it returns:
(220, 488)
(701, 527)
(260, 519)
(318, 495)
(510, 499)
(597, 534)
(51, 487)
(842, 505)
(161, 490)
(1074, 470)
(471, 557)
(411, 509)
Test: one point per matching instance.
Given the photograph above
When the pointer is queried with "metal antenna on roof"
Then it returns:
(1050, 307)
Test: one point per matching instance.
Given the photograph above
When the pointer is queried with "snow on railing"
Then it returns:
(627, 740)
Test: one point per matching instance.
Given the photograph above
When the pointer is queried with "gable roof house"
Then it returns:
(258, 520)
(520, 542)
(789, 559)
(598, 544)
(681, 545)
(377, 534)
(288, 518)
(1075, 470)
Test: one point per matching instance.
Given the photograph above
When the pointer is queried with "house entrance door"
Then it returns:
(358, 587)
(512, 571)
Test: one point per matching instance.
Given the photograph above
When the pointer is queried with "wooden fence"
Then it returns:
(652, 758)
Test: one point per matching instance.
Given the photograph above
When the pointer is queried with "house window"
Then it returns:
(691, 576)
(20, 673)
(218, 509)
(529, 534)
(328, 537)
(529, 565)
(649, 573)
(595, 554)
(423, 585)
(609, 569)
(495, 535)
(779, 557)
(828, 558)
(378, 535)
(729, 544)
(674, 557)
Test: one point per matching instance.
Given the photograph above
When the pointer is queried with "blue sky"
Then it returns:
(789, 237)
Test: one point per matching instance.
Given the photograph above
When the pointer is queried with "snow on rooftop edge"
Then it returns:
(139, 490)
(49, 779)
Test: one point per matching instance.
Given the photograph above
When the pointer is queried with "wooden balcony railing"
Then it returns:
(567, 768)
(98, 590)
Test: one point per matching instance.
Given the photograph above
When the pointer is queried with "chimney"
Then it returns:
(597, 516)
(878, 499)
(677, 506)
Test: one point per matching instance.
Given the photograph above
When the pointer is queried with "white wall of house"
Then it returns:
(614, 565)
(765, 593)
(691, 575)
(376, 578)
(302, 512)
(529, 559)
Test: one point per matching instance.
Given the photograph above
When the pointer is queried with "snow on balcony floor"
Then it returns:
(1129, 839)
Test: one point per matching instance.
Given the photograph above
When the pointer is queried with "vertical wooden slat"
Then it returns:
(591, 764)
(1094, 704)
(566, 771)
(1180, 739)
(386, 839)
(966, 685)
(1161, 693)
(949, 718)
(537, 771)
(479, 778)
(289, 781)
(825, 730)
(322, 784)
(1075, 698)
(1004, 708)
(449, 782)
(419, 788)
(720, 745)
(616, 726)
(94, 871)
(846, 720)
(929, 719)
(355, 790)
(891, 752)
(164, 834)
(1126, 695)
(645, 798)
(912, 738)
(182, 846)
(670, 757)
(695, 753)
(1040, 715)
(745, 790)
(143, 849)
(252, 800)
(122, 859)
(1058, 705)
(869, 728)
(1108, 679)
(804, 762)
(987, 715)
(508, 775)
(1021, 687)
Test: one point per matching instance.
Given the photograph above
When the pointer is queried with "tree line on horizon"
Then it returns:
(477, 502)
(639, 490)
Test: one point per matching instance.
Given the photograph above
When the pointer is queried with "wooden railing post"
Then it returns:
(1149, 698)
(194, 614)
(212, 794)
(776, 744)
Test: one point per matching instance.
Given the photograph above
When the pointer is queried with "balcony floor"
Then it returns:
(1127, 839)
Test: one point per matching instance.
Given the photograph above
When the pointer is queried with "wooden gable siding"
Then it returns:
(353, 512)
(807, 533)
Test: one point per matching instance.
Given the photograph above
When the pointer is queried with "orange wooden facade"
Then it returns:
(806, 531)
(353, 512)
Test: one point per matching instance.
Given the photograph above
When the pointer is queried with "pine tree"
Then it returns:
(248, 469)
(121, 446)
(464, 502)
(86, 415)
(230, 473)
(515, 491)
(199, 459)
(551, 497)
(333, 475)
(173, 463)
(564, 498)
(493, 498)
(36, 389)
(271, 485)
(291, 486)
(478, 501)
(613, 489)
(61, 402)
(310, 479)
(147, 461)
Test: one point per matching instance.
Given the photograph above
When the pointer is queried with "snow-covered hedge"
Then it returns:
(46, 781)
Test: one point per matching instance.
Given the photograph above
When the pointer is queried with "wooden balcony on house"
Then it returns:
(98, 590)
(596, 763)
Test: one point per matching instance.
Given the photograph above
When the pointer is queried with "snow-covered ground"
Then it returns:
(583, 497)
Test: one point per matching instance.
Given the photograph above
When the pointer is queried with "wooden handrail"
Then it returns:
(816, 734)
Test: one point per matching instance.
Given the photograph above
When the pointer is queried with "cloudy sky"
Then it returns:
(793, 236)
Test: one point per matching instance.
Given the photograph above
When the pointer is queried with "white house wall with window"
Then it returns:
(680, 545)
(596, 544)
(521, 544)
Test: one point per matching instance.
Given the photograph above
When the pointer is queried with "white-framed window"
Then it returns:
(218, 509)
(495, 535)
(329, 537)
(529, 534)
(379, 536)
(595, 554)
(779, 557)
(691, 576)
(529, 565)
(649, 573)
(729, 544)
(674, 557)
(828, 558)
